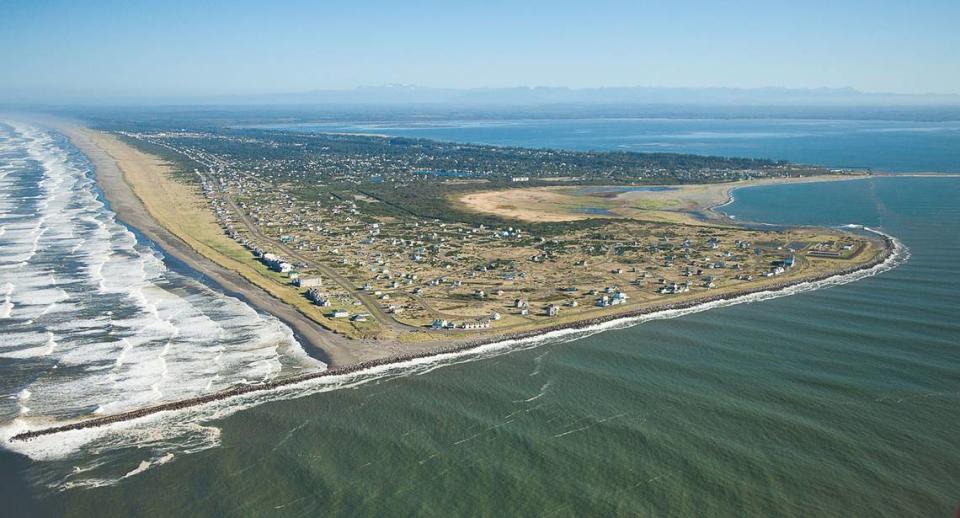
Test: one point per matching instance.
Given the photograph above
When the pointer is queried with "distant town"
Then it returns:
(365, 230)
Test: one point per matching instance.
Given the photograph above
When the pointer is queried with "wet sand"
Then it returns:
(113, 160)
(890, 252)
(115, 163)
(679, 203)
(118, 165)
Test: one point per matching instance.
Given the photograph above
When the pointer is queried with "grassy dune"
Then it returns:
(182, 209)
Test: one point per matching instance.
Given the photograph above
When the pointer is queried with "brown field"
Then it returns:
(679, 204)
(143, 191)
(457, 271)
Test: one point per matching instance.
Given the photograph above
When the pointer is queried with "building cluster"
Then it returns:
(355, 160)
(447, 274)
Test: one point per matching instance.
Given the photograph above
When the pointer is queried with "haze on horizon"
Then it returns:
(60, 51)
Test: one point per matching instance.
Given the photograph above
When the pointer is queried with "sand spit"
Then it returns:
(893, 252)
(680, 203)
(117, 164)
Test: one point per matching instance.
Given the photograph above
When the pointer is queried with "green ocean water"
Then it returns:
(839, 402)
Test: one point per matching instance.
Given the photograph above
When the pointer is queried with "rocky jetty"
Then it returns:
(239, 390)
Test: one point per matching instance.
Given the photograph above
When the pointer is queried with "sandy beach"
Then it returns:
(118, 165)
(141, 190)
(143, 193)
(893, 252)
(688, 204)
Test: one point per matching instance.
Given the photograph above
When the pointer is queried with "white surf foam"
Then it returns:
(98, 314)
(168, 429)
(242, 345)
(7, 306)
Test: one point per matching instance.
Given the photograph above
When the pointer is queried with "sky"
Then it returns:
(128, 49)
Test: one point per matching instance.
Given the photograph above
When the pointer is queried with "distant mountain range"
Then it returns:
(771, 96)
(543, 101)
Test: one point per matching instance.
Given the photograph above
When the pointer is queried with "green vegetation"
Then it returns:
(390, 227)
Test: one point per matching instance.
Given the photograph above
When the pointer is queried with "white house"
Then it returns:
(308, 282)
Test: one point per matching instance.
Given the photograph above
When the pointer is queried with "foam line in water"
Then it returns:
(92, 318)
(191, 339)
(322, 383)
(7, 306)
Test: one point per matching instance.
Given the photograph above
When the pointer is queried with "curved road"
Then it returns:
(368, 302)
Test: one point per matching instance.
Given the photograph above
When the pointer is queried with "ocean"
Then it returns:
(842, 401)
(93, 320)
(882, 145)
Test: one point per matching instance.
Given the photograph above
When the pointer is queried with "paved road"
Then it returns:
(369, 302)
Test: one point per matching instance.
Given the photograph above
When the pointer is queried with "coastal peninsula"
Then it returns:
(360, 270)
(366, 277)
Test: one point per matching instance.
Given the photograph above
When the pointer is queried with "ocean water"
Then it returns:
(841, 401)
(92, 321)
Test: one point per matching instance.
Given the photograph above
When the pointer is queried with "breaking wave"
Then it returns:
(179, 352)
(92, 321)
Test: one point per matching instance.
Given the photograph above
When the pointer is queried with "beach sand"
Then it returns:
(686, 204)
(118, 166)
(123, 172)
(142, 192)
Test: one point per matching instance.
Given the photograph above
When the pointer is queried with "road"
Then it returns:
(369, 303)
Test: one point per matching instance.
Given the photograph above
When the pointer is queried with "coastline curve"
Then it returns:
(895, 253)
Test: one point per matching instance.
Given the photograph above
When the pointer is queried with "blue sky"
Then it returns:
(172, 48)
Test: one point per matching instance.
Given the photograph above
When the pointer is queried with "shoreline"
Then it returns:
(691, 204)
(130, 210)
(892, 251)
(712, 213)
(342, 355)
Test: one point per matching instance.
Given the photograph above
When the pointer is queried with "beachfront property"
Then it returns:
(318, 297)
(308, 282)
(429, 273)
(276, 263)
